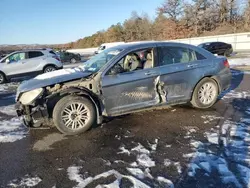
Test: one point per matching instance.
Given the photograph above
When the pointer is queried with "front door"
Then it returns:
(15, 64)
(132, 88)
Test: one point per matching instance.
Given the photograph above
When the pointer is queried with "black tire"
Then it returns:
(49, 68)
(64, 104)
(72, 60)
(196, 99)
(2, 78)
(227, 53)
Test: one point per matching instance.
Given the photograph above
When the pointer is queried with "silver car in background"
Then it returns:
(122, 80)
(28, 63)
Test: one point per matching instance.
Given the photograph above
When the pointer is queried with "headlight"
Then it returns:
(29, 97)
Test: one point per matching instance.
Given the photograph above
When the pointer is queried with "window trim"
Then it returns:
(176, 46)
(155, 60)
(28, 57)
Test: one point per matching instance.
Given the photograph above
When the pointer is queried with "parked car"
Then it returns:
(28, 63)
(219, 48)
(119, 81)
(105, 46)
(69, 57)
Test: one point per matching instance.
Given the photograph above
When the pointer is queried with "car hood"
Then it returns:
(52, 78)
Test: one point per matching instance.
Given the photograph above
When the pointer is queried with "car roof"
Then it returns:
(28, 50)
(142, 44)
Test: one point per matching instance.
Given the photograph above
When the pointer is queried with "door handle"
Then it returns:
(192, 65)
(150, 73)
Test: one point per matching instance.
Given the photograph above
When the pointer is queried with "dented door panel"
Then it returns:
(130, 91)
(180, 79)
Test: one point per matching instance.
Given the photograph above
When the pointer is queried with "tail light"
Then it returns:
(226, 63)
(56, 57)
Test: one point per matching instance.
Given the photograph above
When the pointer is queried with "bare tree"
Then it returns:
(247, 16)
(172, 8)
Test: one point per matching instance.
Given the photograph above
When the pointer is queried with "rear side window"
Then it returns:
(172, 55)
(33, 54)
(52, 52)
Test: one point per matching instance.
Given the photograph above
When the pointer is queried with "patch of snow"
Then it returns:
(236, 95)
(210, 118)
(189, 155)
(154, 146)
(167, 162)
(145, 161)
(192, 169)
(196, 144)
(173, 110)
(123, 150)
(26, 181)
(134, 164)
(244, 174)
(118, 137)
(9, 110)
(73, 173)
(206, 166)
(3, 87)
(12, 130)
(178, 167)
(137, 172)
(168, 146)
(140, 149)
(212, 137)
(168, 182)
(56, 73)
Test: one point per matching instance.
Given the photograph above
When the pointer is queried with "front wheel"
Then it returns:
(74, 114)
(205, 93)
(2, 78)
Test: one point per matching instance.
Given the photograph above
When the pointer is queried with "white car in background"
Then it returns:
(28, 63)
(105, 46)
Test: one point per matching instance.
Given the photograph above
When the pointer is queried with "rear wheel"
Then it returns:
(74, 114)
(2, 78)
(227, 53)
(73, 60)
(49, 69)
(205, 93)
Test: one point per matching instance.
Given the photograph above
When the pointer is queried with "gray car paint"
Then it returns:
(129, 91)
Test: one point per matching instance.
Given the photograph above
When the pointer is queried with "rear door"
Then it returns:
(180, 69)
(33, 61)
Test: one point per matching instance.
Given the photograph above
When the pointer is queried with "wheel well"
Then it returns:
(73, 91)
(5, 77)
(3, 73)
(212, 77)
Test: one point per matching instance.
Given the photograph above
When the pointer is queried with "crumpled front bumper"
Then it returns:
(31, 115)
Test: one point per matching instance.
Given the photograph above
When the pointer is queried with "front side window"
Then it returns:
(137, 60)
(33, 54)
(99, 60)
(14, 58)
(172, 55)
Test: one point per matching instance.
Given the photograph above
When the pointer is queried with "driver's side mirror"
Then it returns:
(7, 60)
(116, 70)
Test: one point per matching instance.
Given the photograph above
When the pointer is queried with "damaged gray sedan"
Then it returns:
(122, 80)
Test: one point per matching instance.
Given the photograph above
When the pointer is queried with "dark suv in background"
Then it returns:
(219, 48)
(69, 57)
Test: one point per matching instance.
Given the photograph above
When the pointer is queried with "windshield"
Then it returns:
(99, 60)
